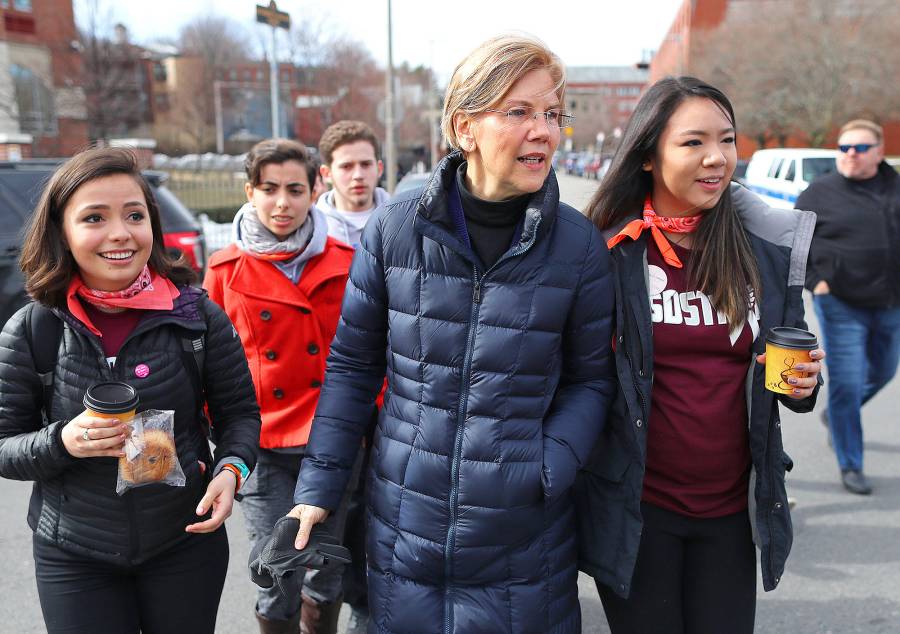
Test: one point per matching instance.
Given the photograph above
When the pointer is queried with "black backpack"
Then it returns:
(44, 329)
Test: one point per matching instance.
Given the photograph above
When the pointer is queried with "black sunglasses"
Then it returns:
(861, 148)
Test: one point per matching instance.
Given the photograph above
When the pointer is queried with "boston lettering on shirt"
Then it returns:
(698, 452)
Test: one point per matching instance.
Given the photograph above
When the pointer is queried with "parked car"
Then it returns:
(779, 175)
(21, 184)
(411, 181)
(740, 172)
(592, 168)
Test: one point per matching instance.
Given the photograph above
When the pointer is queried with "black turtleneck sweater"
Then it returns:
(491, 224)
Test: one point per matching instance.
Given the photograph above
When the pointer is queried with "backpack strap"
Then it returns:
(43, 330)
(193, 356)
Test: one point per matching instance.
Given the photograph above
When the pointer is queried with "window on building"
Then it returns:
(37, 114)
(4, 4)
(21, 5)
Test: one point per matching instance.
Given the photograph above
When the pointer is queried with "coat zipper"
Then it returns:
(460, 426)
(457, 448)
(115, 373)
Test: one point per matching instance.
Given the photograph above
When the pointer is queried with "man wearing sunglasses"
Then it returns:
(854, 274)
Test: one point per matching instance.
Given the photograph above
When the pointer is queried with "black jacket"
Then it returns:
(608, 490)
(856, 245)
(498, 384)
(74, 502)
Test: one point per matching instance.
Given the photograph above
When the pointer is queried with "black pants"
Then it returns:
(692, 576)
(176, 591)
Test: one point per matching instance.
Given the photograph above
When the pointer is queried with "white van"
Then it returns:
(779, 175)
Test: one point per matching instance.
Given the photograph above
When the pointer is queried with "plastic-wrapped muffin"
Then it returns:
(155, 461)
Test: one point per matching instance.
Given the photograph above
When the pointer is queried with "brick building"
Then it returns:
(602, 99)
(679, 52)
(245, 109)
(42, 104)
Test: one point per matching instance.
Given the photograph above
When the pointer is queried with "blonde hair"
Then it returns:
(863, 124)
(484, 77)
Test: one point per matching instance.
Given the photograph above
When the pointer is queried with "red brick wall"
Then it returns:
(15, 151)
(674, 57)
(54, 29)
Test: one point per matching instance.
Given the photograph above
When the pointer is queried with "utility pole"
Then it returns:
(217, 103)
(277, 20)
(389, 149)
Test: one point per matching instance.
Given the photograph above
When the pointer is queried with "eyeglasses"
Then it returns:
(521, 114)
(861, 148)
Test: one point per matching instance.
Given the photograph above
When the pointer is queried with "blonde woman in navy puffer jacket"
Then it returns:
(488, 304)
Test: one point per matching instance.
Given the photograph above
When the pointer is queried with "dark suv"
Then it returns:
(21, 184)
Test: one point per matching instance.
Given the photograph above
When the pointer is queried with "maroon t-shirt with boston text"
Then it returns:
(698, 451)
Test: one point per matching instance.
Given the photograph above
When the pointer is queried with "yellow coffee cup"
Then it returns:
(785, 348)
(112, 399)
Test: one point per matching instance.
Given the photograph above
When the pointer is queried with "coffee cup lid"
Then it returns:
(787, 337)
(111, 397)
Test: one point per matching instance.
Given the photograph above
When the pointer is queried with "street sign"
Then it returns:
(272, 16)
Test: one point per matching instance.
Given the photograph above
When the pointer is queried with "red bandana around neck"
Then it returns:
(150, 291)
(656, 225)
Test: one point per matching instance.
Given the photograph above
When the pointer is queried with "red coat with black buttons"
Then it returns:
(286, 329)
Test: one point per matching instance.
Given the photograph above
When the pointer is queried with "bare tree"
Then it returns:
(113, 76)
(217, 40)
(804, 67)
(311, 41)
(218, 43)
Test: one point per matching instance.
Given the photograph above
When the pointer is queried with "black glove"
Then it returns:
(275, 561)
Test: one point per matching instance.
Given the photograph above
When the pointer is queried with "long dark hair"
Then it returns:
(721, 264)
(47, 264)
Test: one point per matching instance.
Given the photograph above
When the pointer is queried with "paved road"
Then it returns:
(842, 576)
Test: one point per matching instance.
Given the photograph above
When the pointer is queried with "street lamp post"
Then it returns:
(277, 20)
(217, 104)
(389, 149)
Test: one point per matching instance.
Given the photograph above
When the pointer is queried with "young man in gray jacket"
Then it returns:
(350, 163)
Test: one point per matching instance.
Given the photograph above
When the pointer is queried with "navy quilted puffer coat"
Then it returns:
(499, 383)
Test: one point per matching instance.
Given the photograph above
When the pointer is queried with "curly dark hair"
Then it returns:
(277, 151)
(343, 132)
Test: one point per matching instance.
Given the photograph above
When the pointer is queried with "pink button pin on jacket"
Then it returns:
(141, 370)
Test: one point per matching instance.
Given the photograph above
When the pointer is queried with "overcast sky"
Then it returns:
(433, 33)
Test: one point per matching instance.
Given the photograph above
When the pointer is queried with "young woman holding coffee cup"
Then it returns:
(689, 471)
(154, 558)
